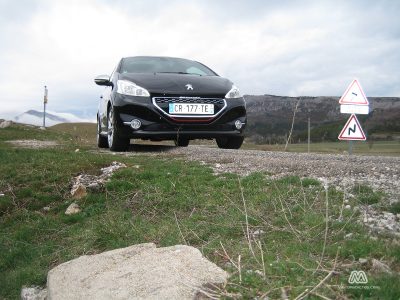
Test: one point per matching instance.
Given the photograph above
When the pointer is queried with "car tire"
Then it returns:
(114, 140)
(182, 142)
(101, 140)
(233, 142)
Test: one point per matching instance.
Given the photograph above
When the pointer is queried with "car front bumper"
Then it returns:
(156, 125)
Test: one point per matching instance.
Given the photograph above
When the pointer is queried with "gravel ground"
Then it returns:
(382, 173)
(34, 144)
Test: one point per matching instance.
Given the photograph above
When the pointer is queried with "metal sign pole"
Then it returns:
(350, 147)
(45, 99)
(309, 138)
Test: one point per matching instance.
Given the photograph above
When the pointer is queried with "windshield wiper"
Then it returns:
(179, 73)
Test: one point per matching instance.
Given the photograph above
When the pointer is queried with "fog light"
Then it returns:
(135, 124)
(238, 124)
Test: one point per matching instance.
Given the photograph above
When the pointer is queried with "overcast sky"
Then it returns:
(295, 48)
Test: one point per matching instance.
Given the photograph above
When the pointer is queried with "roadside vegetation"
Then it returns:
(276, 237)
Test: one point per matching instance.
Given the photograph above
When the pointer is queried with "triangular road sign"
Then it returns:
(352, 130)
(354, 95)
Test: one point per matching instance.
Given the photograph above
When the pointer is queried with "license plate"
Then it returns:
(191, 108)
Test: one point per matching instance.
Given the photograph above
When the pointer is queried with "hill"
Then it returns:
(34, 117)
(270, 117)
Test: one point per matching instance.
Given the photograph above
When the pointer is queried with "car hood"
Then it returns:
(170, 83)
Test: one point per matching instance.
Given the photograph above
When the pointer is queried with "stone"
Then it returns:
(348, 206)
(5, 124)
(380, 267)
(107, 171)
(78, 191)
(136, 272)
(348, 236)
(363, 261)
(83, 183)
(46, 208)
(73, 209)
(258, 233)
(33, 293)
(94, 186)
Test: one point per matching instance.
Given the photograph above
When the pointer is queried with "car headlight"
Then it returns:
(126, 87)
(233, 93)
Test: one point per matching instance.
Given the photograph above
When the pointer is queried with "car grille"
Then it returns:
(162, 100)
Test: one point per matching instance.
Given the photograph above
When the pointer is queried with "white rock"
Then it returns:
(76, 150)
(136, 272)
(78, 191)
(107, 171)
(349, 235)
(363, 261)
(258, 232)
(33, 293)
(380, 267)
(348, 206)
(73, 209)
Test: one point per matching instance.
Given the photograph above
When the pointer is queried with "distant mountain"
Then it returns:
(35, 117)
(270, 118)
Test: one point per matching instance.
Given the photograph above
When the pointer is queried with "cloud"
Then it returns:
(285, 48)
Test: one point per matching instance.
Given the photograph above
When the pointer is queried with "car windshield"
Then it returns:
(143, 64)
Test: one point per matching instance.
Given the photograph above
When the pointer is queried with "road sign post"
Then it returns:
(353, 102)
(352, 131)
(45, 100)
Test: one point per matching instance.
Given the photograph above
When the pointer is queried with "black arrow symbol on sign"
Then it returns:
(353, 129)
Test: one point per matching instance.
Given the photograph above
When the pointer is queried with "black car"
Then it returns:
(166, 98)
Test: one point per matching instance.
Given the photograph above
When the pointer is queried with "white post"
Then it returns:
(45, 99)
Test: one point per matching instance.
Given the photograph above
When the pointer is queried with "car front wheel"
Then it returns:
(115, 141)
(101, 140)
(233, 142)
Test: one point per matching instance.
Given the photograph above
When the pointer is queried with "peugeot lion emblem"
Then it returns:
(189, 87)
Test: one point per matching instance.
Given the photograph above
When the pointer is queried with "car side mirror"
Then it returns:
(103, 80)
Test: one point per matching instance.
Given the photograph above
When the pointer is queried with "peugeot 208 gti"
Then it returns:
(166, 98)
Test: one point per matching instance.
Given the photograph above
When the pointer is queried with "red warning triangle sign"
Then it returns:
(352, 130)
(354, 95)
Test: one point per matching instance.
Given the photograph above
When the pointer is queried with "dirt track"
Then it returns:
(379, 172)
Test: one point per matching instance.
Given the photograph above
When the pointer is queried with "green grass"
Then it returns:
(366, 195)
(146, 204)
